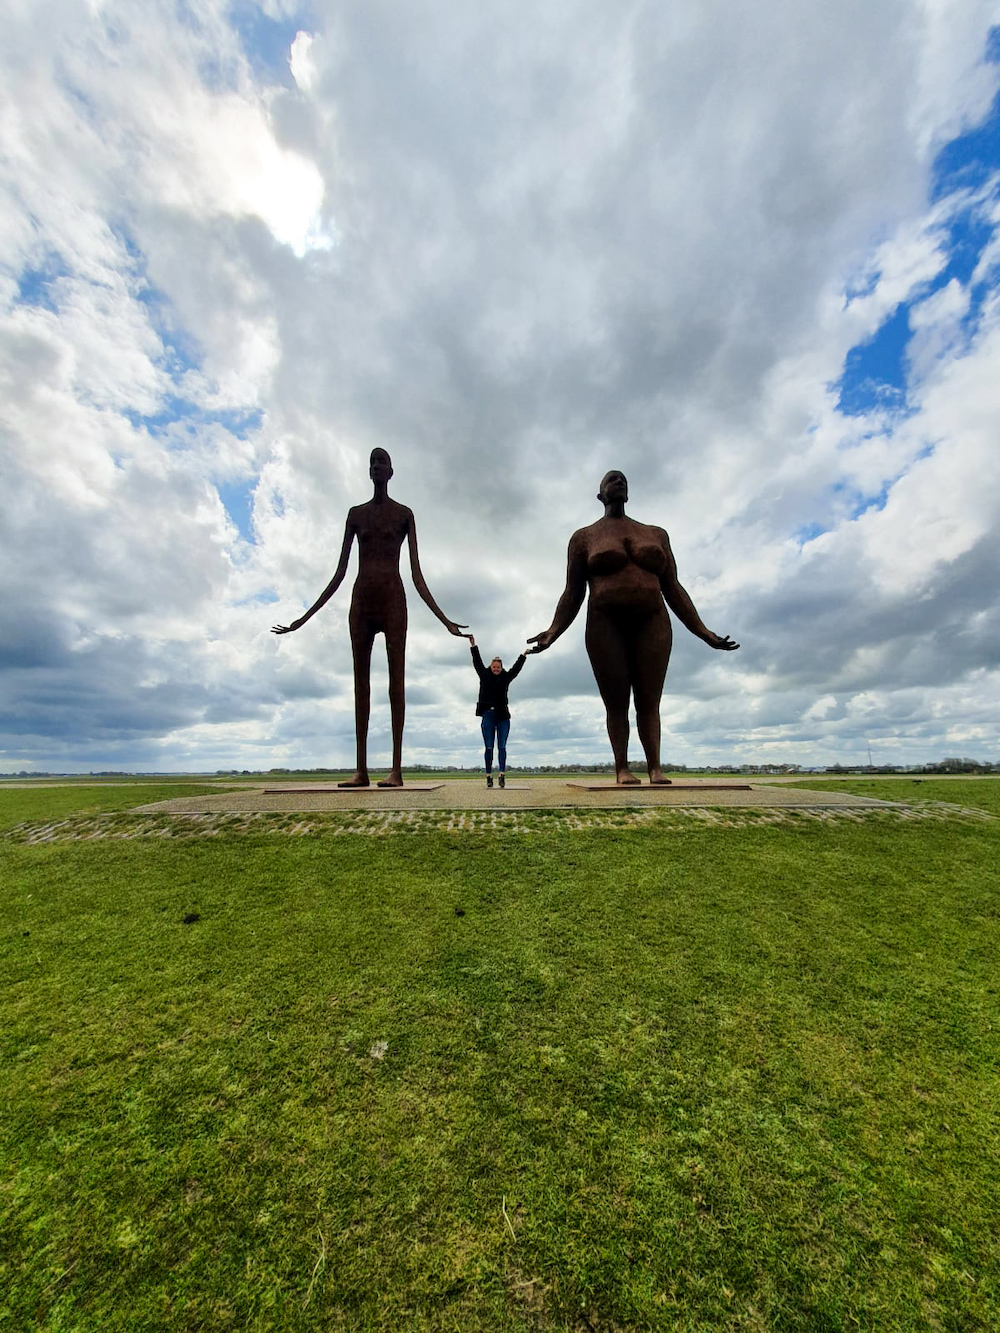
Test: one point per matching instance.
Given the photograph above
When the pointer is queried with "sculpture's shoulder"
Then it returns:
(393, 507)
(402, 519)
(583, 538)
(658, 534)
(608, 531)
(379, 516)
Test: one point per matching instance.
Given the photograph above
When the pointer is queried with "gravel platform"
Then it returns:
(537, 794)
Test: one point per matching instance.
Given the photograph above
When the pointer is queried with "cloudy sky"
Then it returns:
(749, 254)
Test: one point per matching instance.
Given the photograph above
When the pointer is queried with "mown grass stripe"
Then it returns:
(384, 823)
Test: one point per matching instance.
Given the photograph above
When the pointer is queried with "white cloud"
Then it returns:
(515, 251)
(301, 63)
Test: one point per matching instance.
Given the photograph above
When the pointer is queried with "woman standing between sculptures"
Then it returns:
(493, 708)
(630, 571)
(378, 606)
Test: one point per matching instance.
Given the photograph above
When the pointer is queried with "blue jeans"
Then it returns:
(500, 729)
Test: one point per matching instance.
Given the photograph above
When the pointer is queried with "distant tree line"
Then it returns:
(942, 766)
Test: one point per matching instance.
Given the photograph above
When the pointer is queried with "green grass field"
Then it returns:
(662, 1077)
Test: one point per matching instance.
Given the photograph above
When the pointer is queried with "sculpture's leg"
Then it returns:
(395, 651)
(651, 653)
(362, 638)
(609, 658)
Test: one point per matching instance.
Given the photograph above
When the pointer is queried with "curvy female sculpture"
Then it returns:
(630, 570)
(378, 606)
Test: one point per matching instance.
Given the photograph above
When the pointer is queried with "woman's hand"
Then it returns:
(472, 642)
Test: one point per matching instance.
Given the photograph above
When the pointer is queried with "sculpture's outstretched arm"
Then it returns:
(679, 601)
(422, 588)
(350, 531)
(571, 600)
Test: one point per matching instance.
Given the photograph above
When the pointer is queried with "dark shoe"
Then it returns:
(503, 780)
(489, 780)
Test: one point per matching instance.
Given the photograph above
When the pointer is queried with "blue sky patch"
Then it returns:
(180, 349)
(968, 234)
(266, 597)
(266, 41)
(863, 287)
(809, 532)
(179, 411)
(968, 161)
(238, 499)
(33, 288)
(873, 502)
(875, 371)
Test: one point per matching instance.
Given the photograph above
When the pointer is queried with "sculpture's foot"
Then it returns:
(626, 778)
(395, 779)
(656, 779)
(360, 779)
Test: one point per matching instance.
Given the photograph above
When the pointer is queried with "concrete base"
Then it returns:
(349, 791)
(473, 794)
(661, 786)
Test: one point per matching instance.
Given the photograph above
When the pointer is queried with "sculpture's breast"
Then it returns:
(607, 559)
(649, 555)
(383, 530)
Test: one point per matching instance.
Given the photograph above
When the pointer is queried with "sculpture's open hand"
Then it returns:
(541, 641)
(457, 629)
(722, 641)
(286, 629)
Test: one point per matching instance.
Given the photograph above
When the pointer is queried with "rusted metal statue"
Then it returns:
(378, 606)
(630, 571)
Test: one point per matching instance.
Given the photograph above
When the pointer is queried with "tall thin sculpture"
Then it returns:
(378, 606)
(630, 571)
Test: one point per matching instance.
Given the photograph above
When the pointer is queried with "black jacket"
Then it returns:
(493, 688)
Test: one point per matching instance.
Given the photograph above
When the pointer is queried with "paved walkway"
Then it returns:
(533, 794)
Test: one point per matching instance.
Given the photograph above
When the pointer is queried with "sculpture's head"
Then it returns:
(496, 666)
(613, 487)
(379, 466)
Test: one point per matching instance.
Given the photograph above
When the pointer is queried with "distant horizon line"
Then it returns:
(947, 765)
